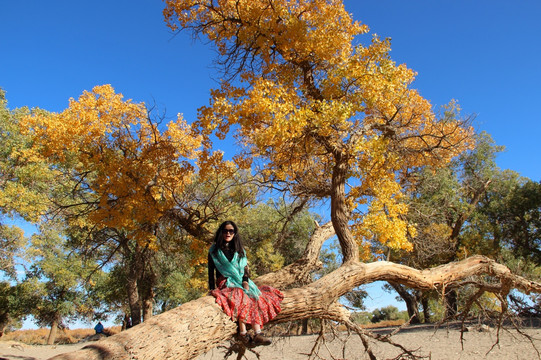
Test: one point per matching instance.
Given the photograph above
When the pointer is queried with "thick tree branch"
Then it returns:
(340, 212)
(300, 270)
(198, 326)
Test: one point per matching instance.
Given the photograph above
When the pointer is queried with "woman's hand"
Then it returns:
(245, 285)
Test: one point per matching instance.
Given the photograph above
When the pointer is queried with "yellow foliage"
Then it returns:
(198, 284)
(130, 170)
(315, 104)
(199, 250)
(437, 231)
(268, 258)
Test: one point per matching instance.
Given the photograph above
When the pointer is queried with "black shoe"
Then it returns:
(245, 339)
(261, 340)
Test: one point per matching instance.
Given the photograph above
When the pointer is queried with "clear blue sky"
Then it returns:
(483, 53)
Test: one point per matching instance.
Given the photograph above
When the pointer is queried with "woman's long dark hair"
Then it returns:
(237, 242)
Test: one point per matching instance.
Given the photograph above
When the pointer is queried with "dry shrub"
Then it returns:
(113, 330)
(39, 336)
(30, 337)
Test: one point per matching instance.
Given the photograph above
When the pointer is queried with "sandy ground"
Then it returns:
(443, 343)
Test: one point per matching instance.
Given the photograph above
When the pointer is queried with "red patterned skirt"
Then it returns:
(239, 306)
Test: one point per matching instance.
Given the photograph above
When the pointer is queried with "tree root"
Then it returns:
(239, 347)
(366, 335)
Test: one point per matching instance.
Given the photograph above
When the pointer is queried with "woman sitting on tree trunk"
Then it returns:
(239, 297)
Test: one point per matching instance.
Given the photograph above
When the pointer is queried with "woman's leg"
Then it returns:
(242, 328)
(257, 328)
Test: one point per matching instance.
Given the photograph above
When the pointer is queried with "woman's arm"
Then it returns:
(245, 277)
(212, 270)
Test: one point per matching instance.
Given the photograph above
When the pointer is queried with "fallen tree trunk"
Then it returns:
(197, 326)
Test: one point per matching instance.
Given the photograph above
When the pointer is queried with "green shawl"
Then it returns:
(233, 270)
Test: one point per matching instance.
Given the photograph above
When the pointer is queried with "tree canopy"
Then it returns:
(327, 117)
(319, 119)
(127, 172)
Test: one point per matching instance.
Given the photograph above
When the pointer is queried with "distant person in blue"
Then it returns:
(99, 328)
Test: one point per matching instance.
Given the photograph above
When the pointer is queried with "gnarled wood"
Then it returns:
(181, 333)
(339, 209)
(299, 271)
(196, 327)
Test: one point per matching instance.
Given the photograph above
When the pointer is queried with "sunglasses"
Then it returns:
(228, 231)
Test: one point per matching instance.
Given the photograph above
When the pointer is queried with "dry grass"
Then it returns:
(39, 336)
(384, 323)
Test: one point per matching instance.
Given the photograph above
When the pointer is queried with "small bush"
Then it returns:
(361, 317)
(388, 313)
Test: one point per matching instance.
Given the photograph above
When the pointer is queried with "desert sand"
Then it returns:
(441, 343)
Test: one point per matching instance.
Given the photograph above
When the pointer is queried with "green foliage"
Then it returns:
(443, 203)
(520, 265)
(11, 242)
(275, 234)
(468, 208)
(5, 305)
(17, 301)
(521, 222)
(105, 294)
(330, 257)
(60, 274)
(362, 317)
(175, 275)
(25, 180)
(526, 305)
(437, 309)
(388, 313)
(355, 298)
(175, 290)
(508, 221)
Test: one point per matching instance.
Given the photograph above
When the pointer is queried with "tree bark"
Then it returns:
(146, 287)
(134, 301)
(451, 303)
(304, 327)
(340, 212)
(147, 308)
(426, 309)
(134, 273)
(411, 300)
(197, 326)
(4, 321)
(52, 333)
(300, 270)
(126, 322)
